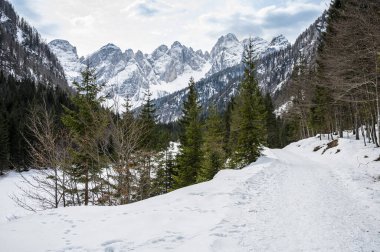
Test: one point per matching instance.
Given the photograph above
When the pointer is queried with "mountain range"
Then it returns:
(164, 71)
(274, 67)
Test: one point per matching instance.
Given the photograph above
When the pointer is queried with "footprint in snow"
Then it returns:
(107, 243)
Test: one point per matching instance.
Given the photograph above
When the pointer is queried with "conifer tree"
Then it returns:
(164, 179)
(149, 145)
(86, 125)
(249, 116)
(189, 159)
(227, 127)
(4, 142)
(149, 121)
(273, 139)
(214, 154)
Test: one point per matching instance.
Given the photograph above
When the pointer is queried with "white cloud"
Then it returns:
(148, 8)
(85, 21)
(145, 24)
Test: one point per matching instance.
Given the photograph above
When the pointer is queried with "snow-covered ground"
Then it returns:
(294, 199)
(9, 186)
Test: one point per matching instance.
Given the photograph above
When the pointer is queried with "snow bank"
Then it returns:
(8, 186)
(292, 199)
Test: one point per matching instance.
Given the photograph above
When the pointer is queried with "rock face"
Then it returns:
(23, 53)
(68, 58)
(164, 71)
(228, 50)
(274, 66)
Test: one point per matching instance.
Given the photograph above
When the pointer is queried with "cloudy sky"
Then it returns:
(146, 24)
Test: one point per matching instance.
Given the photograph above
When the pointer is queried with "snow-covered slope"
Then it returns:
(164, 71)
(294, 199)
(23, 53)
(274, 66)
(68, 57)
(228, 50)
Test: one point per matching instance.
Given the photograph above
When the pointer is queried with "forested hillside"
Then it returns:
(342, 90)
(23, 53)
(29, 75)
(18, 97)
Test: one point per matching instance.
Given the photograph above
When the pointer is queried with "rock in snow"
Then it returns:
(292, 199)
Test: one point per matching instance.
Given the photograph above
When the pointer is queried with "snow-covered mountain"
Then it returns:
(130, 74)
(164, 71)
(291, 199)
(23, 53)
(68, 58)
(274, 66)
(228, 50)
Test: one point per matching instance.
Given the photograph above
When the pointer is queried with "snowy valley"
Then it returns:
(251, 145)
(291, 199)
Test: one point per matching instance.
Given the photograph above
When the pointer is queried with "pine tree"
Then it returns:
(273, 138)
(227, 127)
(164, 179)
(248, 131)
(149, 145)
(86, 125)
(4, 142)
(189, 160)
(214, 155)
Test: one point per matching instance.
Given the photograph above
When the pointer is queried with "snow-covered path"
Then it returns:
(296, 204)
(291, 200)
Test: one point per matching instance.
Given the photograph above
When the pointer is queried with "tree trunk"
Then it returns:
(86, 194)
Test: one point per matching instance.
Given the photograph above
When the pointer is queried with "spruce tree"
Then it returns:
(164, 179)
(149, 145)
(273, 138)
(227, 127)
(214, 155)
(249, 116)
(148, 119)
(4, 141)
(189, 159)
(86, 124)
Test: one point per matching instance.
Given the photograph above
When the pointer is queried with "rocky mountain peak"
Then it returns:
(129, 54)
(229, 37)
(109, 52)
(139, 55)
(225, 43)
(200, 53)
(161, 50)
(176, 44)
(110, 46)
(63, 45)
(279, 40)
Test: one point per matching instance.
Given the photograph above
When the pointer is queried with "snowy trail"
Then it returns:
(291, 206)
(287, 201)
